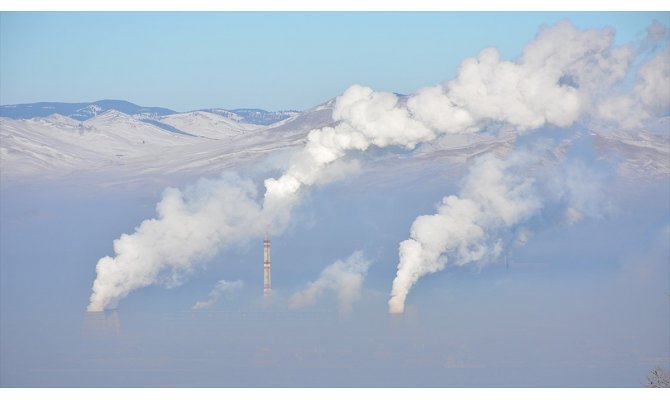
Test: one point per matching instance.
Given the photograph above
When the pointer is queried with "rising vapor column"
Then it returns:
(267, 277)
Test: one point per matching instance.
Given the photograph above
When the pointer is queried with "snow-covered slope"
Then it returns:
(47, 145)
(127, 146)
(640, 154)
(118, 128)
(85, 111)
(29, 147)
(78, 111)
(199, 142)
(208, 125)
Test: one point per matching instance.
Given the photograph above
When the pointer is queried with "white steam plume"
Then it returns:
(650, 95)
(344, 278)
(222, 287)
(191, 226)
(365, 118)
(495, 196)
(557, 80)
(561, 72)
(560, 77)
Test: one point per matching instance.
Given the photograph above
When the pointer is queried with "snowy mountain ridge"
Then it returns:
(85, 111)
(203, 142)
(114, 141)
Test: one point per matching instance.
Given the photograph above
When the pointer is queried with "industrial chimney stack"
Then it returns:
(267, 276)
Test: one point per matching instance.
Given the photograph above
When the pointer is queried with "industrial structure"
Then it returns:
(267, 275)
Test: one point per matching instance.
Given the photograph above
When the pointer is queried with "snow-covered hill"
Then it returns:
(58, 144)
(85, 111)
(78, 111)
(130, 145)
(637, 154)
(201, 142)
(208, 125)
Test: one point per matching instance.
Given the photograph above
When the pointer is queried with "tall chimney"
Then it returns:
(267, 276)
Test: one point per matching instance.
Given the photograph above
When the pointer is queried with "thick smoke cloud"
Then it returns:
(650, 95)
(495, 197)
(563, 75)
(344, 278)
(365, 118)
(222, 287)
(499, 205)
(191, 226)
(556, 80)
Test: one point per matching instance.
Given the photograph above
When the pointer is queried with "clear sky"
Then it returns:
(288, 60)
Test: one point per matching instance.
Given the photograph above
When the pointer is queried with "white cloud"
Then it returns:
(494, 196)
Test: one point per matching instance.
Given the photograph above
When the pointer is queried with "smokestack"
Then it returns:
(267, 277)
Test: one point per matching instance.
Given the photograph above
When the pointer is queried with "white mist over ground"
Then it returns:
(344, 278)
(579, 305)
(222, 288)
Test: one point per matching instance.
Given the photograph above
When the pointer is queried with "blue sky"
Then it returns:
(287, 60)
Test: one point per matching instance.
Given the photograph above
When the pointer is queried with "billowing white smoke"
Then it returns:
(560, 77)
(498, 197)
(191, 227)
(650, 95)
(194, 225)
(222, 287)
(365, 118)
(344, 278)
(495, 197)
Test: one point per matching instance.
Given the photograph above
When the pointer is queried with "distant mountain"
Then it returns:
(85, 111)
(196, 142)
(98, 137)
(79, 111)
